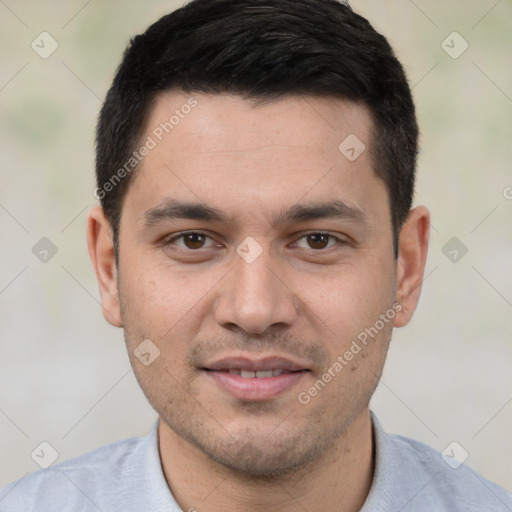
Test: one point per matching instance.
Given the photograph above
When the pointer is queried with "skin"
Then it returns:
(304, 298)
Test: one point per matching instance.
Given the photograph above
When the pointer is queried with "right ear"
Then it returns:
(100, 241)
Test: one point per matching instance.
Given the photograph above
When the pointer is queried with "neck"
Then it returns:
(339, 479)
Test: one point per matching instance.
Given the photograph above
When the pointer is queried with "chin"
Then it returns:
(265, 456)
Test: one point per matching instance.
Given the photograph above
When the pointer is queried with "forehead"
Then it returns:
(224, 122)
(230, 152)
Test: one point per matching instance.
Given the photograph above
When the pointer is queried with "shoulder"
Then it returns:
(414, 477)
(454, 482)
(82, 483)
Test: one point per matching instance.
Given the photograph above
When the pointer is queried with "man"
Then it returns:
(255, 241)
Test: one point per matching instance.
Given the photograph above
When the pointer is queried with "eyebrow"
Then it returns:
(171, 209)
(317, 211)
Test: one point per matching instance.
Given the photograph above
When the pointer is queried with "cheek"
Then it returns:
(349, 299)
(161, 299)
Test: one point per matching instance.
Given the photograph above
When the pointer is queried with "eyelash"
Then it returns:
(200, 233)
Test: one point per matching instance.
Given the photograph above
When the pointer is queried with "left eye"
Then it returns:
(318, 241)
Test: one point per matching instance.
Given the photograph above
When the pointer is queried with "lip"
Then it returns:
(255, 389)
(254, 365)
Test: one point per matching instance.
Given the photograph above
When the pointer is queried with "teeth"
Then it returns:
(264, 374)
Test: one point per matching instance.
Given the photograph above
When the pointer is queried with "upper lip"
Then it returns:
(254, 365)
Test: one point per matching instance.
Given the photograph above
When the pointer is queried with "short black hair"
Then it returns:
(261, 50)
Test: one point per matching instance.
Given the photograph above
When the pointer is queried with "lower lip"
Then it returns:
(256, 389)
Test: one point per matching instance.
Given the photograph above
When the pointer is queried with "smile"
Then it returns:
(262, 374)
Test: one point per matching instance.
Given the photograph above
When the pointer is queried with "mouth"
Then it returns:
(255, 379)
(261, 374)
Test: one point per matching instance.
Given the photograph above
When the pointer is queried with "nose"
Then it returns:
(255, 298)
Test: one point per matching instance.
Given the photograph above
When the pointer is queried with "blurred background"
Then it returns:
(65, 377)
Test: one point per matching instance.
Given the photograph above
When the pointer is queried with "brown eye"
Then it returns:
(318, 240)
(194, 240)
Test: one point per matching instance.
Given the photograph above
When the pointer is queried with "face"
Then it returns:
(253, 252)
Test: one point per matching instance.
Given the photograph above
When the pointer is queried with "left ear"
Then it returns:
(412, 256)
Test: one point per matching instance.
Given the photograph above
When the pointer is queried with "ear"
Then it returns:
(100, 241)
(412, 256)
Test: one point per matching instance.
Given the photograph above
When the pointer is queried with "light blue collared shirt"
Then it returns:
(127, 476)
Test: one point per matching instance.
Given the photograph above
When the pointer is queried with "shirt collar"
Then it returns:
(149, 487)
